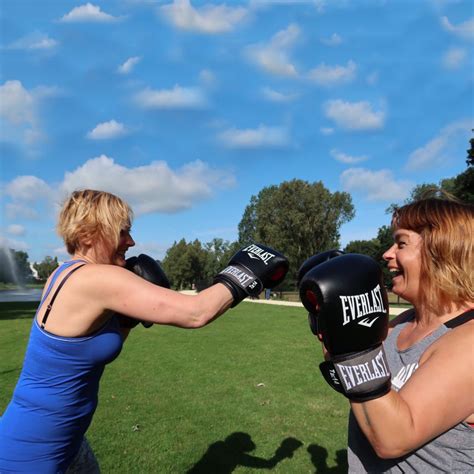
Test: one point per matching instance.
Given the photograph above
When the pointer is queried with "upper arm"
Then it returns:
(122, 291)
(440, 394)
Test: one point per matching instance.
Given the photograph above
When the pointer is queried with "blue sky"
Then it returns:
(186, 109)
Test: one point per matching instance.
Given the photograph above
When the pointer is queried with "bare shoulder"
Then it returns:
(457, 342)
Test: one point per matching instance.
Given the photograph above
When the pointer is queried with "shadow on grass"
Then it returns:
(18, 309)
(222, 457)
(319, 458)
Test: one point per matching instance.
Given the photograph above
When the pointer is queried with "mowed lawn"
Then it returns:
(219, 399)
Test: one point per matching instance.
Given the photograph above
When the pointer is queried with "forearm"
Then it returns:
(388, 424)
(210, 303)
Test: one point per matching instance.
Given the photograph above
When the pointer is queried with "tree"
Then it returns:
(14, 266)
(375, 248)
(470, 152)
(185, 263)
(364, 247)
(46, 267)
(218, 254)
(297, 218)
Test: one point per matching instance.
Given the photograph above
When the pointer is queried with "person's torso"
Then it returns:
(452, 451)
(55, 397)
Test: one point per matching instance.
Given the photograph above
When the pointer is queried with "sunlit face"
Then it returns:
(404, 262)
(125, 242)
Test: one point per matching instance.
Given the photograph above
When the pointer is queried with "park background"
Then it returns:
(296, 124)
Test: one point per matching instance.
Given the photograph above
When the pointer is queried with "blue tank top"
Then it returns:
(55, 398)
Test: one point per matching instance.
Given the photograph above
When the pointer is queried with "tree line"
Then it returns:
(296, 217)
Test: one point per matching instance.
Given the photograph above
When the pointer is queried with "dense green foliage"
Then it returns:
(193, 265)
(46, 267)
(296, 217)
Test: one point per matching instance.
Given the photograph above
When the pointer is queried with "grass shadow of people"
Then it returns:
(222, 457)
(319, 458)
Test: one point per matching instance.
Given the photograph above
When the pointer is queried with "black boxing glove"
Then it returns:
(306, 266)
(349, 299)
(150, 270)
(252, 269)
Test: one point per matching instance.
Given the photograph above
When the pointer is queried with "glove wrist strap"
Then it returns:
(360, 376)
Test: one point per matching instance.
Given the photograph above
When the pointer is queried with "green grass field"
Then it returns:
(219, 399)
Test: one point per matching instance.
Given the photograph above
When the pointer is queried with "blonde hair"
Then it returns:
(446, 227)
(92, 214)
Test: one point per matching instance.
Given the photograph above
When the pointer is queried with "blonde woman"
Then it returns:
(76, 331)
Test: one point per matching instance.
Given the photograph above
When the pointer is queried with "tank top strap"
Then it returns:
(61, 268)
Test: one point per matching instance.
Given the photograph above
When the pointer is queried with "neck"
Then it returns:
(429, 319)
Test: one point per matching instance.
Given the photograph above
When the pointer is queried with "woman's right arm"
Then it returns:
(120, 290)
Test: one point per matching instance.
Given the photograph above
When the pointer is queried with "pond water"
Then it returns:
(26, 294)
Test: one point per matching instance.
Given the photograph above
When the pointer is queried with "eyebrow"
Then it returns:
(398, 235)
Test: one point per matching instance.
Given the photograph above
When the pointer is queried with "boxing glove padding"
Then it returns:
(252, 269)
(350, 302)
(305, 267)
(361, 376)
(149, 269)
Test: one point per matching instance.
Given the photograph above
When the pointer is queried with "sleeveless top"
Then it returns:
(452, 451)
(56, 395)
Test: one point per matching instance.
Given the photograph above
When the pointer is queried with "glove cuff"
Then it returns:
(361, 376)
(240, 281)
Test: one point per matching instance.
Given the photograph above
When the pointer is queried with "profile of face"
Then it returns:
(404, 262)
(125, 242)
(107, 253)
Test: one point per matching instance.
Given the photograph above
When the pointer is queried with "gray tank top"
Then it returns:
(452, 451)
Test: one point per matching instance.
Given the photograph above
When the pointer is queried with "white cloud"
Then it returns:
(442, 147)
(15, 210)
(208, 19)
(16, 103)
(375, 185)
(107, 130)
(19, 107)
(333, 40)
(261, 137)
(454, 58)
(207, 77)
(128, 65)
(176, 98)
(13, 244)
(273, 56)
(151, 188)
(464, 30)
(333, 75)
(326, 130)
(28, 189)
(88, 13)
(345, 158)
(34, 41)
(279, 97)
(16, 229)
(354, 115)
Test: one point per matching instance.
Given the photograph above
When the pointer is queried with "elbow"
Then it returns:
(389, 450)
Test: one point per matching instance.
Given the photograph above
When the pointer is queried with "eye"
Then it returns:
(401, 244)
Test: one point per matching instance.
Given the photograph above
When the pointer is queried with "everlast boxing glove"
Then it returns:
(252, 269)
(349, 299)
(307, 265)
(149, 269)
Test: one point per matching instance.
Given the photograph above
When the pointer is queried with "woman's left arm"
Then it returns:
(439, 395)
